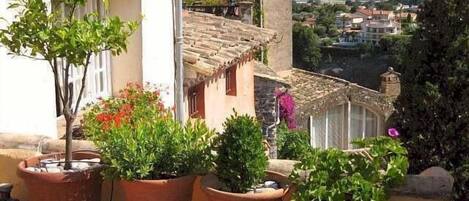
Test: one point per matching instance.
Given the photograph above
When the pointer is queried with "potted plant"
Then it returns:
(365, 174)
(64, 43)
(150, 154)
(240, 171)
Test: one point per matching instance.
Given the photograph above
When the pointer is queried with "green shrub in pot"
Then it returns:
(139, 139)
(241, 161)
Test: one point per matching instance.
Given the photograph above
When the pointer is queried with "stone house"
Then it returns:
(214, 49)
(336, 111)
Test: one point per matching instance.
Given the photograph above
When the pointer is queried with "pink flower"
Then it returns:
(392, 132)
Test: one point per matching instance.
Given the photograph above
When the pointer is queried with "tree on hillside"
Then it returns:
(395, 46)
(432, 112)
(306, 52)
(326, 18)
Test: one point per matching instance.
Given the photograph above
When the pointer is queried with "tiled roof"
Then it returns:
(366, 12)
(213, 43)
(315, 93)
(311, 86)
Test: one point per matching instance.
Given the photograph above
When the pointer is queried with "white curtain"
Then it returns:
(371, 124)
(319, 129)
(335, 126)
(329, 127)
(356, 121)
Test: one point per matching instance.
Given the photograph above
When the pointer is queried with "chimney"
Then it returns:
(246, 11)
(390, 83)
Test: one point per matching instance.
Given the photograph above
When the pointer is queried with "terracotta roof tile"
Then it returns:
(212, 43)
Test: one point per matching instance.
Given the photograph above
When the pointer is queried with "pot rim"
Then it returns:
(152, 181)
(59, 177)
(272, 194)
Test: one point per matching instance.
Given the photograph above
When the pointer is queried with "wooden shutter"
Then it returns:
(196, 98)
(230, 77)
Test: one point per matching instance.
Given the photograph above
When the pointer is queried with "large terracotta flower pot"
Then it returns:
(178, 189)
(210, 184)
(69, 186)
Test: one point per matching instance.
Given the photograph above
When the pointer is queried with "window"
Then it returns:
(340, 125)
(230, 81)
(197, 101)
(98, 80)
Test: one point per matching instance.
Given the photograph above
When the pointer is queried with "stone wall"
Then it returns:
(266, 110)
(278, 17)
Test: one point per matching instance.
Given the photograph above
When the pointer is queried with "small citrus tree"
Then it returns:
(40, 34)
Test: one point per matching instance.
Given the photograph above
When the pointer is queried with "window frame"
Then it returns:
(346, 126)
(196, 101)
(97, 86)
(230, 81)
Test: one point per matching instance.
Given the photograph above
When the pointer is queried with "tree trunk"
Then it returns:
(68, 141)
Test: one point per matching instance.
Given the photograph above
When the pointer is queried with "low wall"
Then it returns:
(40, 143)
(9, 160)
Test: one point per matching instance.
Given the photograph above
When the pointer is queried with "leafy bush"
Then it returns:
(336, 175)
(139, 139)
(241, 161)
(292, 144)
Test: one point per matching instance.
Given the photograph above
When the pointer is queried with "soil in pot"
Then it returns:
(265, 192)
(177, 189)
(46, 180)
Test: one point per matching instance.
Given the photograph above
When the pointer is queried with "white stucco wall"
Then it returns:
(158, 46)
(27, 103)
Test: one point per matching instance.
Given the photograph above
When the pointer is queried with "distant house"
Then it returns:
(309, 22)
(404, 15)
(375, 14)
(365, 13)
(301, 1)
(335, 111)
(373, 30)
(383, 15)
(349, 21)
(332, 1)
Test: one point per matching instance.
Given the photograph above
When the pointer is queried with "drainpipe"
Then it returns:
(179, 73)
(261, 8)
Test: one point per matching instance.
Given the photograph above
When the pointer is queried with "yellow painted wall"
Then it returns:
(127, 67)
(9, 160)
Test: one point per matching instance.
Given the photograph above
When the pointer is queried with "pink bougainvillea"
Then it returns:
(286, 108)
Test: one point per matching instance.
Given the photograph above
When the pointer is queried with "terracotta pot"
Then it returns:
(178, 189)
(210, 184)
(70, 186)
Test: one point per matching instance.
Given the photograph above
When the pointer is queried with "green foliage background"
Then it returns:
(433, 109)
(306, 52)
